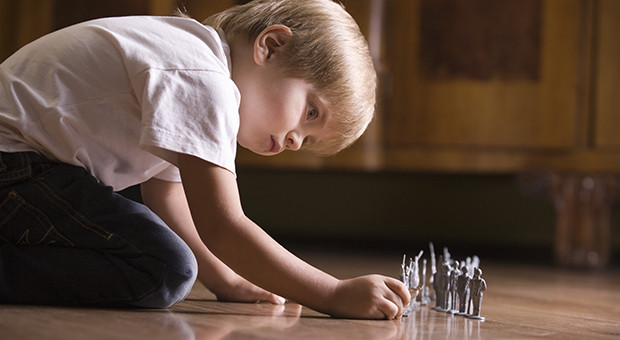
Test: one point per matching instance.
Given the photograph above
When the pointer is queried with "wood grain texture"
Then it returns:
(480, 39)
(522, 302)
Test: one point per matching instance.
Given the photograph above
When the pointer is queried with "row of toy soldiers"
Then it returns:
(450, 284)
(459, 290)
(413, 278)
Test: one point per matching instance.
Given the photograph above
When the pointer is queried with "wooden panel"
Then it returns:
(607, 77)
(23, 22)
(200, 10)
(469, 160)
(514, 109)
(162, 7)
(481, 39)
(69, 12)
(8, 21)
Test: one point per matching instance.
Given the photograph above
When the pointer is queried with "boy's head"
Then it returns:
(326, 49)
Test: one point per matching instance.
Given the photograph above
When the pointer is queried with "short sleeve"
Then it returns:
(170, 174)
(192, 112)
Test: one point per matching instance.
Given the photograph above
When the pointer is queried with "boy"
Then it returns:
(163, 102)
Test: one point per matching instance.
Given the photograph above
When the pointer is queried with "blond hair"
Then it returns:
(326, 49)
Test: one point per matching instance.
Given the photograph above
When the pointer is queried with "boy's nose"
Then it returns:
(293, 141)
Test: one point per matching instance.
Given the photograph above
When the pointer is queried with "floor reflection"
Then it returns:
(214, 321)
(231, 324)
(425, 323)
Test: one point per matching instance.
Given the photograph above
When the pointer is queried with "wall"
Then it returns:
(501, 216)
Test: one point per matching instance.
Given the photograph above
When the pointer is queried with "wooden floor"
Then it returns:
(522, 302)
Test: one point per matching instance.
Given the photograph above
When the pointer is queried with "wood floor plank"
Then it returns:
(522, 302)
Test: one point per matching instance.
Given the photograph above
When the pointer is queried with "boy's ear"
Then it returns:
(270, 41)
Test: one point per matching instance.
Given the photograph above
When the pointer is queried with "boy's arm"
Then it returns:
(167, 200)
(217, 213)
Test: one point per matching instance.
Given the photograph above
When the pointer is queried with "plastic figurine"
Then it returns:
(468, 264)
(477, 287)
(443, 285)
(475, 262)
(410, 275)
(462, 289)
(415, 283)
(446, 255)
(438, 286)
(403, 272)
(454, 274)
(431, 281)
(425, 297)
(458, 287)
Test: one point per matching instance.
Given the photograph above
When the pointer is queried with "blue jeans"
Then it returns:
(65, 239)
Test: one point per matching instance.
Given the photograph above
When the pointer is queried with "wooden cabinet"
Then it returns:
(465, 86)
(478, 86)
(534, 91)
(511, 86)
(490, 86)
(481, 78)
(482, 86)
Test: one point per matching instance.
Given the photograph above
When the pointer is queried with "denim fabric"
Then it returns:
(65, 239)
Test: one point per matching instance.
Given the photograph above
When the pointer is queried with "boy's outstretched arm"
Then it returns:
(216, 209)
(167, 200)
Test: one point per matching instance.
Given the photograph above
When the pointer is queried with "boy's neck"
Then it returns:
(241, 55)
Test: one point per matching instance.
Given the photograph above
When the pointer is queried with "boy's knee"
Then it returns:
(176, 282)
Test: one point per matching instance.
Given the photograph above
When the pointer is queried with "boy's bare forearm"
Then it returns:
(257, 257)
(241, 244)
(167, 200)
(217, 229)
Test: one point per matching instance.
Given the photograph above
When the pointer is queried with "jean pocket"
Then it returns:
(23, 224)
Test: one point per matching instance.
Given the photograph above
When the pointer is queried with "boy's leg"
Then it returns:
(66, 239)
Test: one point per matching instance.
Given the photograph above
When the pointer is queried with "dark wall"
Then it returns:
(400, 212)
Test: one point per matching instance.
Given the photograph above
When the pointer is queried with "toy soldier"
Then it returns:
(462, 288)
(456, 272)
(403, 272)
(410, 275)
(477, 287)
(446, 272)
(438, 286)
(415, 284)
(425, 297)
(431, 280)
(446, 255)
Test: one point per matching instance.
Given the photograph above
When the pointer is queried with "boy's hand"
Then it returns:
(245, 291)
(370, 297)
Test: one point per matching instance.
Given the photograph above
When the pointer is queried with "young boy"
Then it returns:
(163, 102)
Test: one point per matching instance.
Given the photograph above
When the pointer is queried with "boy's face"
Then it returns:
(280, 113)
(277, 112)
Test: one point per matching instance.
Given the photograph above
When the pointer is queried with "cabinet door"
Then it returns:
(607, 77)
(483, 74)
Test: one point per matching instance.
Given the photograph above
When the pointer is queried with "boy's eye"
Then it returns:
(308, 141)
(312, 112)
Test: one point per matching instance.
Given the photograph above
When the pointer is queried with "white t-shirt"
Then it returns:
(121, 96)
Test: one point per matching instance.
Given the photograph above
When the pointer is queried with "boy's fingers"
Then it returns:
(390, 309)
(394, 304)
(276, 299)
(400, 290)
